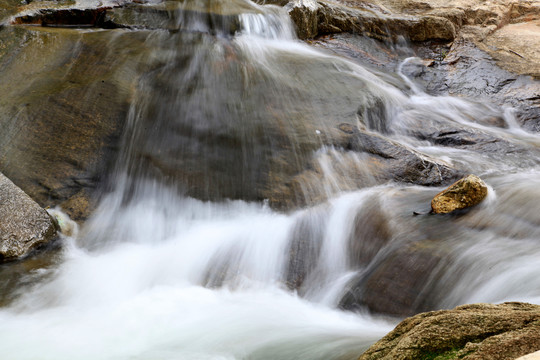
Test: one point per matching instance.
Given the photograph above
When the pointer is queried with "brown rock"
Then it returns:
(462, 194)
(60, 124)
(516, 47)
(322, 17)
(432, 28)
(304, 15)
(23, 223)
(478, 331)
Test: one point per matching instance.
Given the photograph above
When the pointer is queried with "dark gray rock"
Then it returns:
(371, 232)
(402, 163)
(397, 284)
(305, 244)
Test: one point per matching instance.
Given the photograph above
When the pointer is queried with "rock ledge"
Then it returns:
(479, 331)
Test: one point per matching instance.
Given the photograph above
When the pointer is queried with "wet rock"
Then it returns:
(80, 205)
(323, 17)
(170, 15)
(446, 133)
(64, 103)
(7, 9)
(305, 247)
(505, 29)
(461, 69)
(174, 16)
(76, 114)
(374, 116)
(371, 232)
(64, 17)
(462, 194)
(397, 284)
(304, 14)
(24, 225)
(469, 70)
(478, 331)
(357, 159)
(402, 163)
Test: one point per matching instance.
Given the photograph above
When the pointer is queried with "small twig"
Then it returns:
(513, 52)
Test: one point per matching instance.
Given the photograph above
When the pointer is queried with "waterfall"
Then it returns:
(190, 253)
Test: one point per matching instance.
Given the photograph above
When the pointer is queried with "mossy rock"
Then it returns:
(478, 331)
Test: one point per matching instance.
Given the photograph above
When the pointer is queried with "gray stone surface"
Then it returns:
(23, 223)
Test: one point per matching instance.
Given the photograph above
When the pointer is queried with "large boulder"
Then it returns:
(73, 96)
(24, 225)
(478, 331)
(464, 193)
(64, 101)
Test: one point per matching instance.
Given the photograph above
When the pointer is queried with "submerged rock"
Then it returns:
(478, 331)
(398, 282)
(462, 194)
(24, 225)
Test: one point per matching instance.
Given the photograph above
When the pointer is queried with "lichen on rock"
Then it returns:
(462, 194)
(477, 331)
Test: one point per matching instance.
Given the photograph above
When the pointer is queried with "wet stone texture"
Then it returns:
(491, 56)
(62, 109)
(467, 70)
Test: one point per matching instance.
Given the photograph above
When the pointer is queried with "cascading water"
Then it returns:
(158, 274)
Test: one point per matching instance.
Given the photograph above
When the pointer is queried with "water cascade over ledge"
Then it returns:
(261, 202)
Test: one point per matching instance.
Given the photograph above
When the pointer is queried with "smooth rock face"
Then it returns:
(23, 223)
(478, 331)
(76, 114)
(394, 286)
(462, 194)
(60, 124)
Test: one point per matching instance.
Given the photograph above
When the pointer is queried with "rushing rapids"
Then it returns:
(242, 221)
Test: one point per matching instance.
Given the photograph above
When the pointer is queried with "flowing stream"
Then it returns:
(158, 274)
